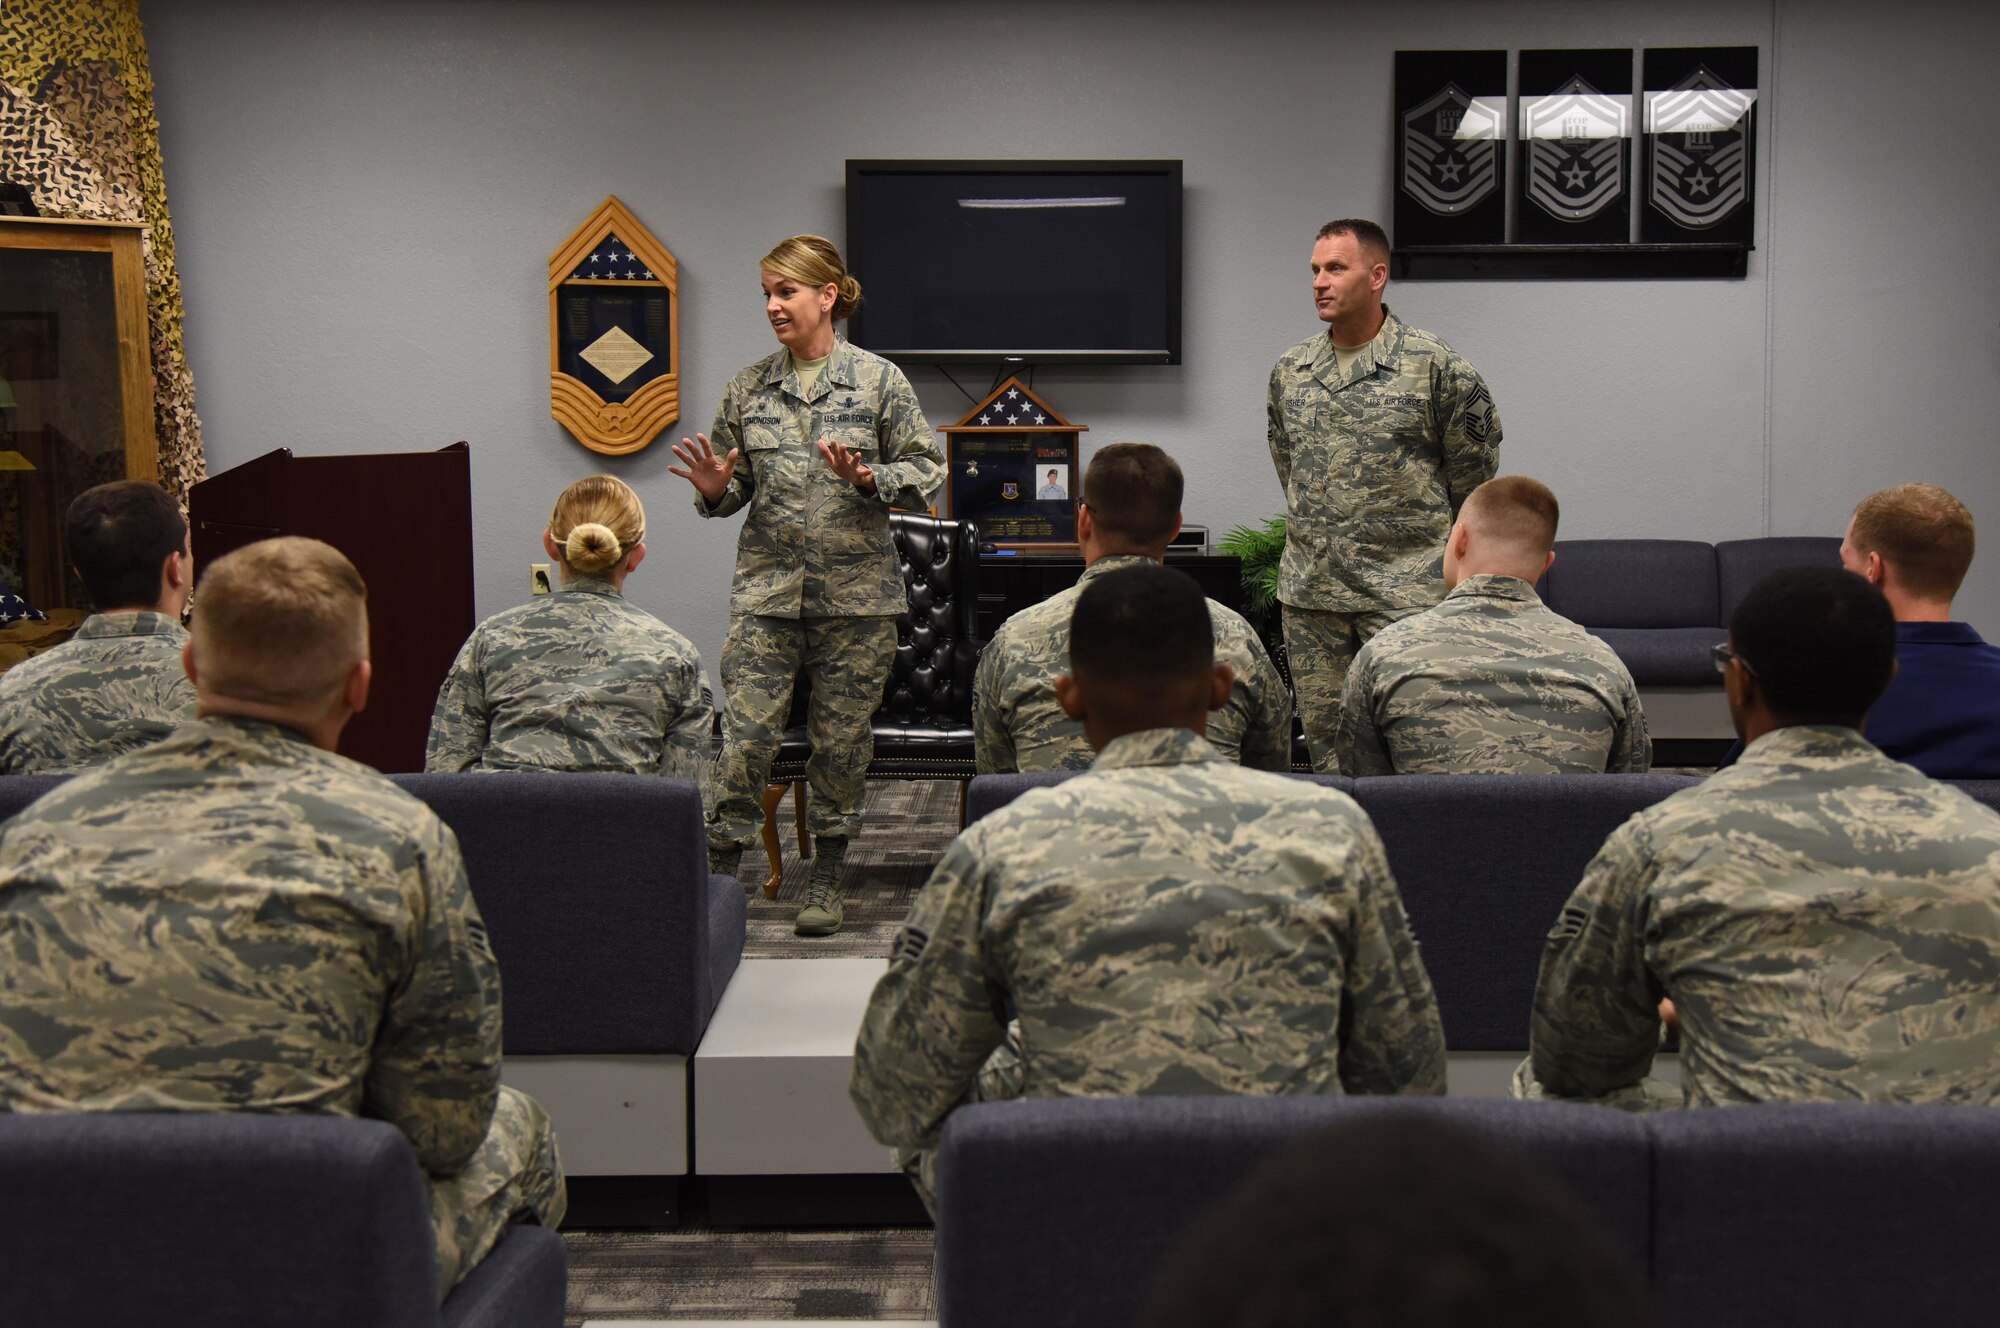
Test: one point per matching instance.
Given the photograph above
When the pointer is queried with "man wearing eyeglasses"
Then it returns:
(1824, 920)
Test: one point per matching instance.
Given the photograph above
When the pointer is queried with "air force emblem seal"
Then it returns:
(1701, 146)
(1010, 490)
(1575, 140)
(1451, 154)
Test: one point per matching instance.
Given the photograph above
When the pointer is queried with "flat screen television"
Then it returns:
(1032, 261)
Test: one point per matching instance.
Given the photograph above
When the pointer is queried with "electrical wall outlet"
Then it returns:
(538, 578)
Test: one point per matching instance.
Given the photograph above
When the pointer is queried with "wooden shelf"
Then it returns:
(1571, 262)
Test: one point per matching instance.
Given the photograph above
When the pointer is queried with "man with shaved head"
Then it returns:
(1491, 681)
(238, 919)
(1166, 922)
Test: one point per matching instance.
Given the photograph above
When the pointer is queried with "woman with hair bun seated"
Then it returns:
(579, 679)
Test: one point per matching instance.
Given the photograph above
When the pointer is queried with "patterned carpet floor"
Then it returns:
(879, 1274)
(906, 825)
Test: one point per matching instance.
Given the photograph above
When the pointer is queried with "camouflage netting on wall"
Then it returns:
(77, 127)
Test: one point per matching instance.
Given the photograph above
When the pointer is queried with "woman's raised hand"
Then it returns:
(708, 472)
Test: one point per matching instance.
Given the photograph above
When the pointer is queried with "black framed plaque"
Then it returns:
(1451, 163)
(1701, 145)
(1013, 463)
(1576, 148)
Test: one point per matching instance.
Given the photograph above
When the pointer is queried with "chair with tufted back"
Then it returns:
(923, 729)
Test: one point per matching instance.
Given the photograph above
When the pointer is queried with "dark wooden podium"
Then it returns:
(405, 521)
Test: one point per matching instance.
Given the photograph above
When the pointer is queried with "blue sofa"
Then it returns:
(1662, 603)
(614, 943)
(1480, 898)
(1484, 864)
(128, 1219)
(1058, 1211)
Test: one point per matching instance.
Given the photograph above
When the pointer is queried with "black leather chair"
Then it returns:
(923, 729)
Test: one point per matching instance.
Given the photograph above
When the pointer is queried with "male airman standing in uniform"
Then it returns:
(1164, 923)
(1131, 508)
(237, 919)
(1379, 432)
(118, 683)
(1491, 681)
(1824, 921)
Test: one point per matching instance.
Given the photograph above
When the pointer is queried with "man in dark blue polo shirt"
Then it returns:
(1941, 714)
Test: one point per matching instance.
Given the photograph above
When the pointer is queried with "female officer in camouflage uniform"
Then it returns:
(818, 440)
(580, 679)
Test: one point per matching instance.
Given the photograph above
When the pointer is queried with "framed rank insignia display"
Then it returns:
(1451, 152)
(614, 333)
(1576, 148)
(1013, 463)
(1701, 145)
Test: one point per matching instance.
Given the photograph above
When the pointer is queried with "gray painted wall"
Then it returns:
(366, 195)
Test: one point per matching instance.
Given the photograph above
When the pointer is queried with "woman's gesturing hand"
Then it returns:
(846, 463)
(708, 472)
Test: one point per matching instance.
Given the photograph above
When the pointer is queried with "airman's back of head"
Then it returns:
(1144, 628)
(1820, 642)
(596, 523)
(118, 536)
(1923, 533)
(1134, 494)
(281, 623)
(814, 260)
(1406, 1222)
(1516, 511)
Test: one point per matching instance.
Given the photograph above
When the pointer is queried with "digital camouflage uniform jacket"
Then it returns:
(1167, 923)
(1490, 681)
(1826, 920)
(232, 918)
(582, 679)
(813, 545)
(1019, 725)
(116, 685)
(1375, 465)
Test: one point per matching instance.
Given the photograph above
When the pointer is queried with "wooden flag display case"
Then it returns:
(614, 333)
(1014, 470)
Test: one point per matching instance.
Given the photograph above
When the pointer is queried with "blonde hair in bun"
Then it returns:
(591, 547)
(814, 260)
(596, 522)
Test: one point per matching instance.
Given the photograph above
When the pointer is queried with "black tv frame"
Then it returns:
(1169, 167)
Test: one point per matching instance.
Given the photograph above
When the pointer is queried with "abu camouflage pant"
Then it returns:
(515, 1175)
(847, 660)
(1321, 644)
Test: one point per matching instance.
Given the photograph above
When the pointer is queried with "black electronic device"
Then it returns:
(1073, 262)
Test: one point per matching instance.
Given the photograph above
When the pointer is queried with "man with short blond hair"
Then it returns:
(1491, 681)
(238, 919)
(1941, 714)
(117, 684)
